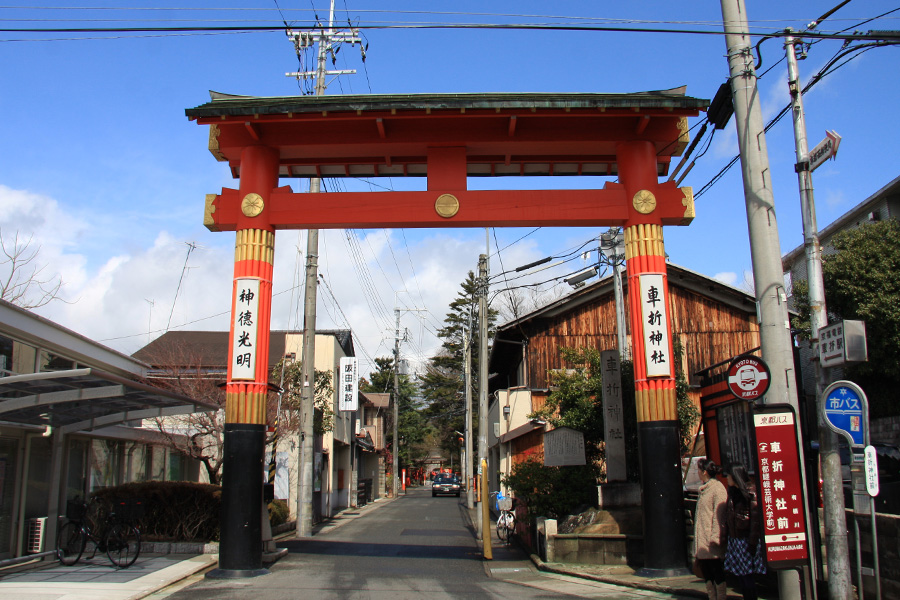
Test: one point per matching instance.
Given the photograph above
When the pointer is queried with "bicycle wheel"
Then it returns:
(70, 543)
(502, 532)
(510, 526)
(123, 545)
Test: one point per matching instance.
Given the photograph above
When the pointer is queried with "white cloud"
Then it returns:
(726, 277)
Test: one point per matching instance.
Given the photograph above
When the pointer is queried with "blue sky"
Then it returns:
(107, 176)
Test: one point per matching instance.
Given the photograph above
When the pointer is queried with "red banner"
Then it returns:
(781, 493)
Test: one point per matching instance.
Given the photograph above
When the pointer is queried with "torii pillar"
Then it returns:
(240, 547)
(654, 376)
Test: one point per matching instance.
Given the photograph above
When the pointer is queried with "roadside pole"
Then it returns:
(485, 513)
(771, 298)
(839, 584)
(483, 386)
(467, 472)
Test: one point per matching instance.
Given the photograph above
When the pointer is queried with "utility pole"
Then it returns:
(612, 241)
(395, 449)
(324, 40)
(765, 249)
(839, 584)
(470, 480)
(483, 375)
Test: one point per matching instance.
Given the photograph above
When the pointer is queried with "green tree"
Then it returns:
(861, 283)
(443, 385)
(412, 426)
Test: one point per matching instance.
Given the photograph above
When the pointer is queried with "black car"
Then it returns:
(445, 483)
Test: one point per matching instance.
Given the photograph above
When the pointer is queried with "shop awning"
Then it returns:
(84, 399)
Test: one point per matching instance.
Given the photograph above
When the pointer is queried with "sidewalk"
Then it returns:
(97, 579)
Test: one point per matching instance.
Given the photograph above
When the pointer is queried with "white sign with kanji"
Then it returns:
(656, 326)
(246, 317)
(349, 384)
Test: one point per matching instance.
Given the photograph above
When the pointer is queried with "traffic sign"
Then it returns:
(871, 471)
(846, 411)
(824, 150)
(748, 377)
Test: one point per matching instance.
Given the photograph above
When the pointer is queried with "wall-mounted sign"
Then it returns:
(562, 447)
(748, 377)
(781, 497)
(246, 318)
(842, 343)
(846, 411)
(656, 326)
(348, 394)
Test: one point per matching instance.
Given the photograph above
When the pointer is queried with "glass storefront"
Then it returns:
(9, 457)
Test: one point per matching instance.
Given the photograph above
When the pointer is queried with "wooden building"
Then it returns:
(712, 320)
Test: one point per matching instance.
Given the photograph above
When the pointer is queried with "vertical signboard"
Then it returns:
(656, 326)
(349, 382)
(246, 316)
(781, 494)
(613, 419)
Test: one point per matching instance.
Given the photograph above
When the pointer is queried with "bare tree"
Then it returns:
(22, 282)
(197, 435)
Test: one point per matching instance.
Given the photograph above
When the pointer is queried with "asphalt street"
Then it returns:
(412, 548)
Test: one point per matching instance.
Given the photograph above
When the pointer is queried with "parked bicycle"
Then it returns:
(108, 529)
(506, 522)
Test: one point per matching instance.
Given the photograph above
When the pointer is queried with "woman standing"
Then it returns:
(744, 556)
(709, 529)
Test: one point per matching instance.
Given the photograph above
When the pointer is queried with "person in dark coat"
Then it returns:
(743, 522)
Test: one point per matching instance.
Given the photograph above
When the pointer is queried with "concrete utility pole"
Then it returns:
(839, 584)
(765, 249)
(483, 372)
(324, 39)
(395, 448)
(470, 480)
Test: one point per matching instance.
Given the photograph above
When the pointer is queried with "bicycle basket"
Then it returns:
(75, 510)
(505, 504)
(129, 510)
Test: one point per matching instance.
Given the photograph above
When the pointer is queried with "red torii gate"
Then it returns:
(448, 138)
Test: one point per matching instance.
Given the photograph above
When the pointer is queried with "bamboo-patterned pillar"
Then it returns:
(240, 551)
(654, 375)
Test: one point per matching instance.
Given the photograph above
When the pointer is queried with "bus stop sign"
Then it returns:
(748, 377)
(846, 411)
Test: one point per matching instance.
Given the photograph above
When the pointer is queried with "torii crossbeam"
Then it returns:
(448, 138)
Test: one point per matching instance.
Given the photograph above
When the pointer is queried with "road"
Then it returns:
(416, 547)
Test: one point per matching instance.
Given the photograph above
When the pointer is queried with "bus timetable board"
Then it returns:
(781, 494)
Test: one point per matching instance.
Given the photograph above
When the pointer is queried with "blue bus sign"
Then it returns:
(846, 411)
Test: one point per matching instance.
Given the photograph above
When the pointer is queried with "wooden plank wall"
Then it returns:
(710, 332)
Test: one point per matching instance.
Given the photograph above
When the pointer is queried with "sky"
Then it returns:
(104, 176)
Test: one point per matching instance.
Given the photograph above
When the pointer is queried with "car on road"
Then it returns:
(445, 483)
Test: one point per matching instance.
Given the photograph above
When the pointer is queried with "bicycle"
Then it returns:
(506, 522)
(114, 535)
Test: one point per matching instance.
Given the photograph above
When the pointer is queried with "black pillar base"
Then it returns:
(240, 542)
(665, 550)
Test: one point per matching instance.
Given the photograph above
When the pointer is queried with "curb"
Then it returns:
(649, 585)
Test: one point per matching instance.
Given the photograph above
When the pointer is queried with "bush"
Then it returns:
(278, 512)
(173, 510)
(552, 491)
